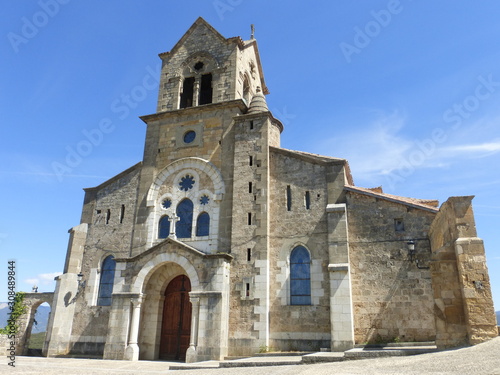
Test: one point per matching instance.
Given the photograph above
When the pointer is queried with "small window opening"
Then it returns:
(108, 216)
(307, 200)
(251, 125)
(255, 197)
(250, 187)
(319, 195)
(249, 218)
(203, 225)
(288, 198)
(198, 66)
(206, 89)
(399, 225)
(250, 160)
(247, 292)
(164, 227)
(122, 213)
(187, 93)
(249, 255)
(257, 164)
(98, 212)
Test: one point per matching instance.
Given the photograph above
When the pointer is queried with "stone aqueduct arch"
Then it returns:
(32, 301)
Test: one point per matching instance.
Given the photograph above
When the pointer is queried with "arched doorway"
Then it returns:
(176, 322)
(35, 338)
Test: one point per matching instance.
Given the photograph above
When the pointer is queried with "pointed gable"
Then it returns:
(200, 28)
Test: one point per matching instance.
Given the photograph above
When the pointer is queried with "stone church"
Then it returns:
(222, 243)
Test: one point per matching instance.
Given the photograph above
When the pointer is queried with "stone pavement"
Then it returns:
(483, 359)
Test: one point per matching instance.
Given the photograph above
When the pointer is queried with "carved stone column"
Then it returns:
(196, 91)
(132, 350)
(191, 355)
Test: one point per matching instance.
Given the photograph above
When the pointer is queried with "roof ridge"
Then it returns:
(423, 203)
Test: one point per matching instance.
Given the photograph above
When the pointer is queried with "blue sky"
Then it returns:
(407, 91)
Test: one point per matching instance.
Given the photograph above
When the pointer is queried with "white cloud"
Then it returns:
(385, 148)
(43, 278)
(47, 278)
(33, 281)
(373, 149)
(486, 149)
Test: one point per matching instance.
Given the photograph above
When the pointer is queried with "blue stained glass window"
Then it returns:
(184, 227)
(164, 227)
(203, 224)
(106, 282)
(204, 200)
(300, 276)
(186, 183)
(189, 136)
(166, 203)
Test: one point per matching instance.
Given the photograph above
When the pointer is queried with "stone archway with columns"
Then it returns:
(32, 301)
(137, 301)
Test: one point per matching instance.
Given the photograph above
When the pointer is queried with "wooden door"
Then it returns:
(176, 324)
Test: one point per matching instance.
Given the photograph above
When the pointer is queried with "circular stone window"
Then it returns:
(166, 203)
(189, 136)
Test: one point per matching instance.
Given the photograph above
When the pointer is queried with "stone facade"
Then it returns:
(280, 249)
(461, 286)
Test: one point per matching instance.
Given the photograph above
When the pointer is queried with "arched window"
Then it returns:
(203, 224)
(106, 282)
(205, 89)
(300, 276)
(184, 226)
(187, 93)
(164, 227)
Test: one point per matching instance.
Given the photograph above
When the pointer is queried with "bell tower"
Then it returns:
(205, 68)
(207, 82)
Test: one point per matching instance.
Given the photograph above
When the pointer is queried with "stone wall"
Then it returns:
(298, 222)
(392, 297)
(463, 307)
(110, 213)
(9, 347)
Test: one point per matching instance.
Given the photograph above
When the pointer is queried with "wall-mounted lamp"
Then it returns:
(79, 277)
(412, 252)
(411, 249)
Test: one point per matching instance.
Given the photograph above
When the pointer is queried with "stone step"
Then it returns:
(281, 354)
(396, 344)
(322, 357)
(263, 361)
(393, 351)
